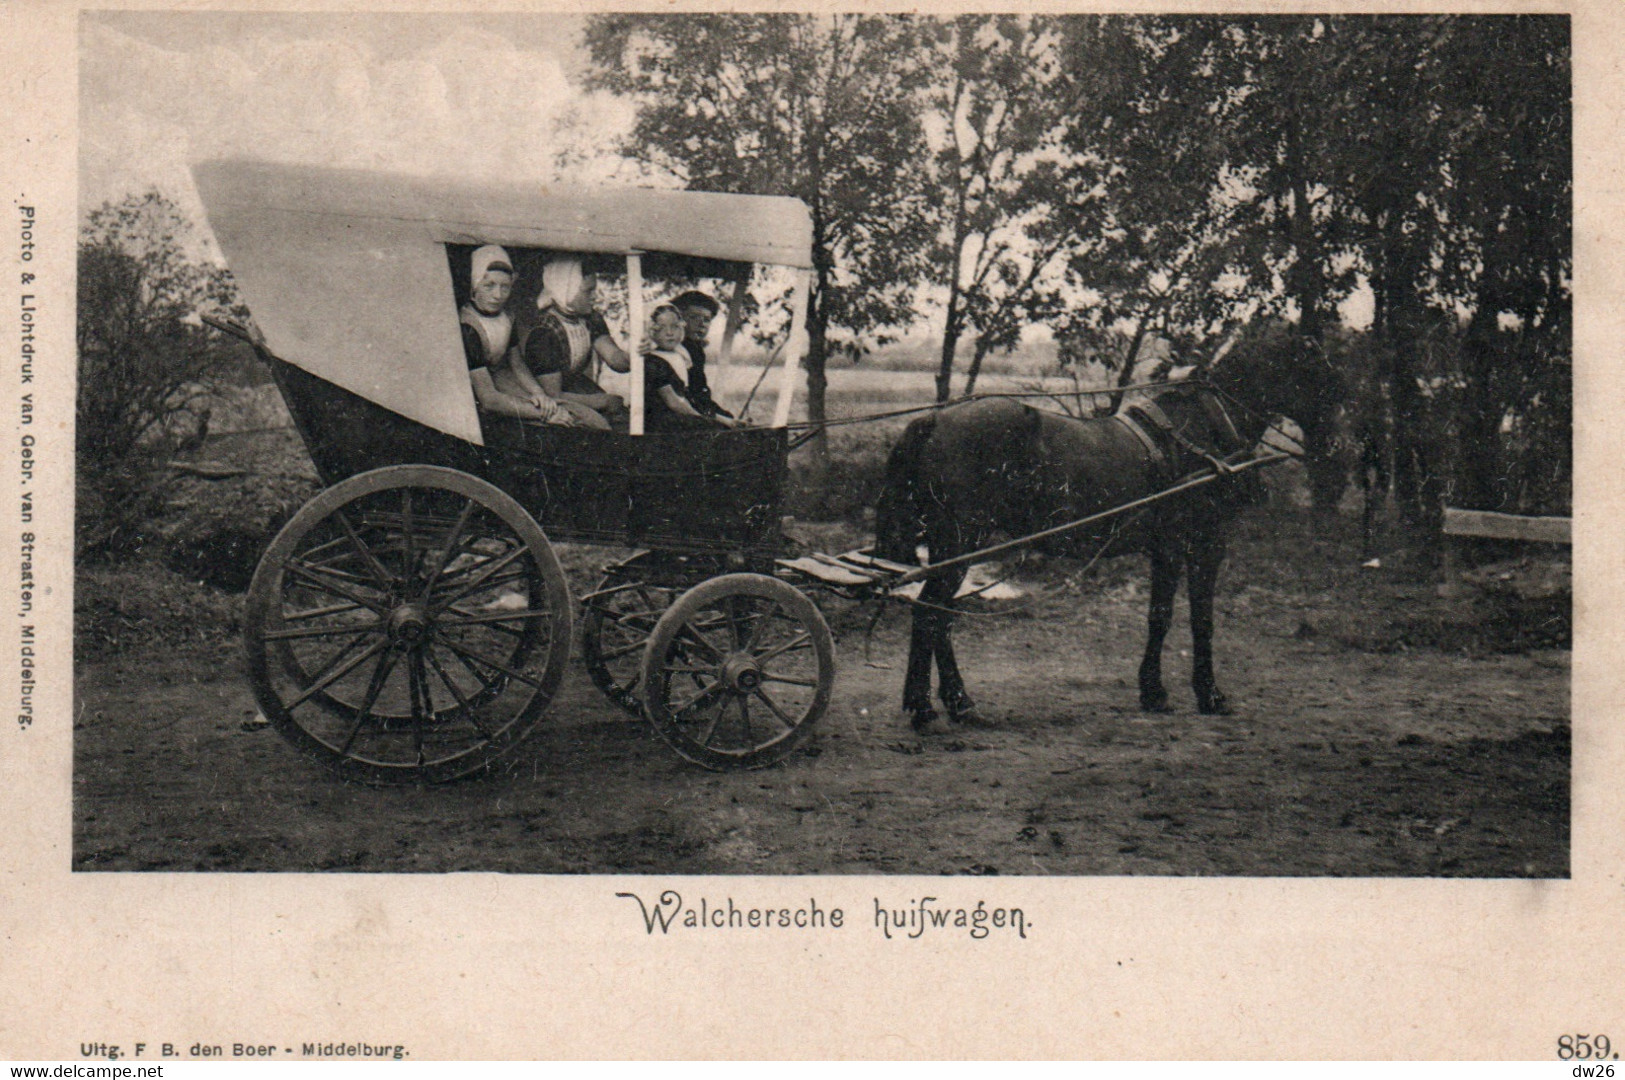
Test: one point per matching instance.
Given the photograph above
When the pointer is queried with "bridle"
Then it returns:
(1220, 396)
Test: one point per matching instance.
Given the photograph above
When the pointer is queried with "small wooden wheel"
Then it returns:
(738, 671)
(616, 623)
(408, 624)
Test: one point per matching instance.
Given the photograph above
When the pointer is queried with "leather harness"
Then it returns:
(1138, 416)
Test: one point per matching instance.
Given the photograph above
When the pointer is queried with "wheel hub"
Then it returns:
(741, 673)
(408, 624)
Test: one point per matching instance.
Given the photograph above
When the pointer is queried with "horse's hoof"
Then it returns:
(1155, 703)
(967, 715)
(1215, 706)
(921, 719)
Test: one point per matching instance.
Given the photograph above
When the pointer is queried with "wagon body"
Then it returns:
(718, 493)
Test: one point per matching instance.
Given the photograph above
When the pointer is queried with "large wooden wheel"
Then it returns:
(738, 671)
(408, 624)
(617, 619)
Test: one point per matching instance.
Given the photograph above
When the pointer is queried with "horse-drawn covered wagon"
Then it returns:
(412, 621)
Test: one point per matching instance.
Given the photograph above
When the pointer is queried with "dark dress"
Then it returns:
(657, 415)
(699, 390)
(549, 351)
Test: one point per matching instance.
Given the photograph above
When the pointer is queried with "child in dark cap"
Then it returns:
(697, 310)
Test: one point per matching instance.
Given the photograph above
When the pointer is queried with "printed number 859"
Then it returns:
(1584, 1047)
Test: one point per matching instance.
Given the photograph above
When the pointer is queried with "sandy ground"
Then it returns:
(1359, 747)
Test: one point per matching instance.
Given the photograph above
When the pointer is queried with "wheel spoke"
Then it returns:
(769, 677)
(691, 634)
(485, 681)
(617, 653)
(455, 610)
(317, 613)
(318, 554)
(471, 619)
(699, 701)
(382, 575)
(454, 540)
(744, 717)
(421, 702)
(492, 664)
(334, 676)
(337, 588)
(462, 702)
(321, 631)
(339, 575)
(800, 640)
(380, 675)
(644, 620)
(473, 584)
(773, 705)
(454, 578)
(761, 622)
(711, 729)
(407, 552)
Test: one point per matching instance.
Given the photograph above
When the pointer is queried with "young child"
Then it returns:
(698, 311)
(487, 335)
(666, 406)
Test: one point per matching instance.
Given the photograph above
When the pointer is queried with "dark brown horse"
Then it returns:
(963, 475)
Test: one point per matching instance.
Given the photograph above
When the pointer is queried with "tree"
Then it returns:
(1180, 250)
(1009, 209)
(824, 108)
(144, 360)
(1510, 204)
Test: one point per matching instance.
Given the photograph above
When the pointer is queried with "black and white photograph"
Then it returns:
(801, 444)
(1016, 533)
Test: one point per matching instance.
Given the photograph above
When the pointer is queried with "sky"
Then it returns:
(481, 96)
(486, 97)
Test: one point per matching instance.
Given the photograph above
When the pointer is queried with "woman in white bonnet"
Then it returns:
(568, 336)
(487, 335)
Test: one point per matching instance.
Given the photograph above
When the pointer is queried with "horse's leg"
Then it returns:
(950, 685)
(917, 680)
(1205, 559)
(1164, 583)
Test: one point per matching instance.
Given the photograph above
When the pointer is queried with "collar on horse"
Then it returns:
(1131, 417)
(1140, 415)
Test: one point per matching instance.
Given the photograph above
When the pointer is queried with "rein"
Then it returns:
(814, 426)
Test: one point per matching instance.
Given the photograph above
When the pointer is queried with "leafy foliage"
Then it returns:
(819, 107)
(1009, 211)
(145, 363)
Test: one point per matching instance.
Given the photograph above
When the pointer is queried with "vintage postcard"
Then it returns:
(546, 532)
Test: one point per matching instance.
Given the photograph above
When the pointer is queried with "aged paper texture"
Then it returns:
(1022, 889)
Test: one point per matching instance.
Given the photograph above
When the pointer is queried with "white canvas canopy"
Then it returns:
(346, 273)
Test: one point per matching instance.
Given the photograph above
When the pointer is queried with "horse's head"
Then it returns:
(1273, 374)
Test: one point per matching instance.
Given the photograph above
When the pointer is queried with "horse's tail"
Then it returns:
(899, 513)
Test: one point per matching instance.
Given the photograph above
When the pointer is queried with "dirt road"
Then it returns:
(1358, 748)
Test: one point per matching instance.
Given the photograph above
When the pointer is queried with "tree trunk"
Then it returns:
(1478, 415)
(950, 343)
(975, 366)
(817, 385)
(1131, 356)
